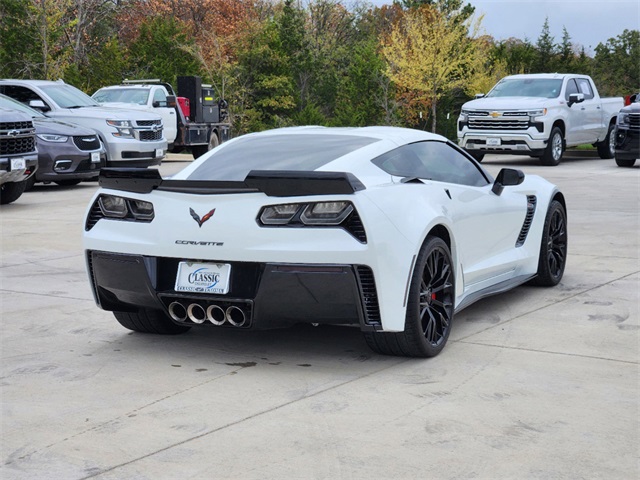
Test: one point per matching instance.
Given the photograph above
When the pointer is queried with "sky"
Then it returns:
(588, 22)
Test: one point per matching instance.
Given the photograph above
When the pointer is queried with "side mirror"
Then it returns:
(633, 98)
(507, 177)
(575, 98)
(39, 105)
(171, 101)
(478, 95)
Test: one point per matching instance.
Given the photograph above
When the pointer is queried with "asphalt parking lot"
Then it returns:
(535, 383)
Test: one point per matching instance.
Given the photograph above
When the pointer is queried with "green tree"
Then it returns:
(546, 50)
(615, 66)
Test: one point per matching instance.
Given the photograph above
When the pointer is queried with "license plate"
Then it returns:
(18, 164)
(203, 277)
(494, 142)
(95, 157)
(158, 152)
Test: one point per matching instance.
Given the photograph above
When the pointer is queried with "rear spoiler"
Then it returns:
(273, 183)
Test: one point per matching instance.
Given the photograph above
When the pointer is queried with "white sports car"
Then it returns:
(389, 229)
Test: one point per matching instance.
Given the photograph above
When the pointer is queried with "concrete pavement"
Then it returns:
(535, 383)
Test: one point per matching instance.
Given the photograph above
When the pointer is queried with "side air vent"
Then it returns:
(528, 219)
(369, 295)
(95, 214)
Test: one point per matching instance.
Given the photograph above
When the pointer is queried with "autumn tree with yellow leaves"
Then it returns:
(431, 52)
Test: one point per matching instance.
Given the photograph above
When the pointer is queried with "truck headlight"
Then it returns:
(623, 119)
(537, 113)
(50, 137)
(124, 127)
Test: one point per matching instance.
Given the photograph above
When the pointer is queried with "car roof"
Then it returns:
(397, 135)
(33, 82)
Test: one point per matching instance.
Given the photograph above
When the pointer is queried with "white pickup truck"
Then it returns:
(193, 119)
(131, 138)
(539, 115)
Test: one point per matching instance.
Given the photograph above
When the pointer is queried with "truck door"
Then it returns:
(168, 114)
(575, 133)
(591, 112)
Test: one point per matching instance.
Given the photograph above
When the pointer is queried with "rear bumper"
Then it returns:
(270, 295)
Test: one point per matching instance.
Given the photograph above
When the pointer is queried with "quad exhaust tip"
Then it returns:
(215, 314)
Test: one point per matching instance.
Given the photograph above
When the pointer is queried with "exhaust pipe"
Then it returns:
(216, 315)
(235, 316)
(177, 311)
(196, 313)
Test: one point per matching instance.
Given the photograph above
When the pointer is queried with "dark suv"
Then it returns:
(67, 154)
(18, 154)
(628, 133)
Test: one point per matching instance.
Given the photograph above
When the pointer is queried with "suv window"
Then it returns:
(19, 93)
(432, 160)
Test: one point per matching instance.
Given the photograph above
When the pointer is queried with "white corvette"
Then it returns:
(389, 229)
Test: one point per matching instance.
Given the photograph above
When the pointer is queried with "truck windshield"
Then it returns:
(276, 152)
(124, 95)
(67, 96)
(527, 87)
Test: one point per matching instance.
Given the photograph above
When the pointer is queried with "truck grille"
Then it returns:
(634, 121)
(503, 124)
(150, 135)
(16, 125)
(148, 123)
(87, 143)
(13, 146)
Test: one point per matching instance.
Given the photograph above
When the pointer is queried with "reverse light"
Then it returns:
(340, 214)
(50, 137)
(326, 213)
(119, 208)
(279, 214)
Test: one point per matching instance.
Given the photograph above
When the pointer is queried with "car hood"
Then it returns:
(633, 108)
(48, 125)
(107, 113)
(124, 105)
(506, 103)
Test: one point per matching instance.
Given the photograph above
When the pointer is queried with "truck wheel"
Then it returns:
(10, 192)
(555, 148)
(31, 181)
(607, 147)
(625, 163)
(199, 150)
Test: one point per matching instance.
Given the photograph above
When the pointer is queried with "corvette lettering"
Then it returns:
(203, 244)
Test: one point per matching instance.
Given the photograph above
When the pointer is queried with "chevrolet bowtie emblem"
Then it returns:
(495, 114)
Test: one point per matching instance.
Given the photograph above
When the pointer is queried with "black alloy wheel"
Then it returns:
(553, 248)
(430, 307)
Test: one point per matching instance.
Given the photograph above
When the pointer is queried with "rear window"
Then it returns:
(300, 152)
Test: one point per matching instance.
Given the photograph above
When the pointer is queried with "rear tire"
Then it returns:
(607, 147)
(553, 247)
(67, 183)
(429, 307)
(625, 163)
(149, 321)
(555, 148)
(200, 150)
(10, 192)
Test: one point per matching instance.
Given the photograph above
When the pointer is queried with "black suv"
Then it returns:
(628, 133)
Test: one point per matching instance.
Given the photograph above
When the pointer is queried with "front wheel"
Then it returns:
(10, 192)
(607, 147)
(553, 247)
(429, 307)
(555, 148)
(149, 321)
